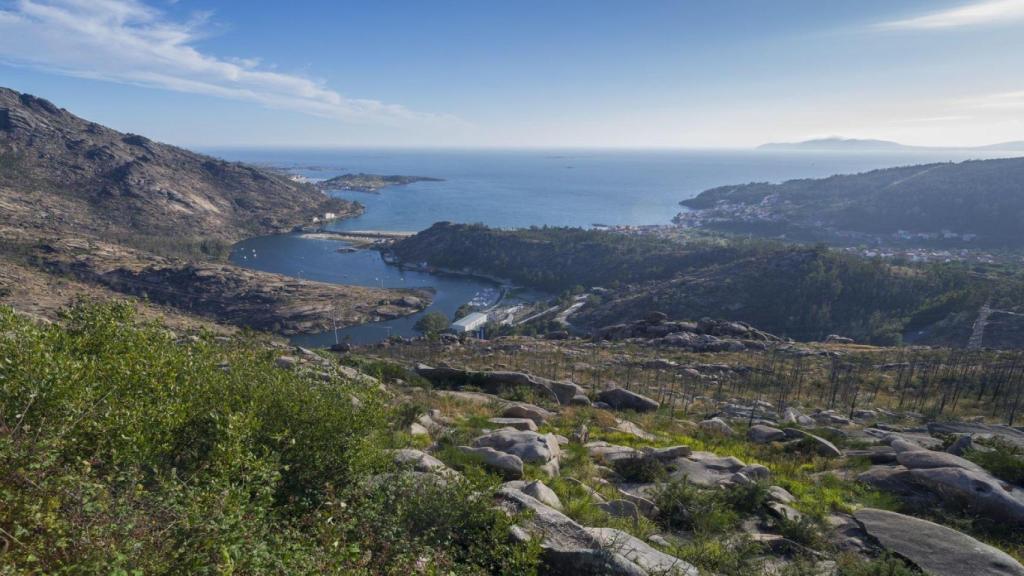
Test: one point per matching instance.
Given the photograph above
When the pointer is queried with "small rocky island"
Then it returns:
(370, 183)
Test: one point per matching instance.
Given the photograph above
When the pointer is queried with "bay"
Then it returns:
(510, 189)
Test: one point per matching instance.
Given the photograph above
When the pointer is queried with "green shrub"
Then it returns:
(1005, 461)
(684, 506)
(124, 451)
(640, 469)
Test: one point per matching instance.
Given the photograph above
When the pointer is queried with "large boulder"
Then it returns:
(543, 494)
(706, 469)
(508, 465)
(761, 434)
(820, 446)
(419, 461)
(935, 549)
(977, 491)
(921, 459)
(529, 446)
(610, 454)
(524, 410)
(649, 559)
(517, 423)
(622, 399)
(715, 426)
(569, 549)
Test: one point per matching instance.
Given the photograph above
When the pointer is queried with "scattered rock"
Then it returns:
(622, 399)
(780, 494)
(761, 434)
(633, 430)
(667, 454)
(543, 494)
(517, 423)
(650, 560)
(524, 410)
(821, 446)
(755, 472)
(716, 426)
(568, 549)
(580, 400)
(419, 461)
(529, 446)
(937, 550)
(508, 465)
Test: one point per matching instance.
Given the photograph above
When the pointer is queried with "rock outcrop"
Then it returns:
(495, 382)
(937, 550)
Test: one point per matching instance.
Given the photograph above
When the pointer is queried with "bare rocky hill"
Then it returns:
(58, 171)
(90, 211)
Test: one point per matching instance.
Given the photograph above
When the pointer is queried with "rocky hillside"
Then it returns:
(61, 173)
(86, 211)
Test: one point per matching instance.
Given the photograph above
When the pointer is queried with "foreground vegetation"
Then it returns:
(124, 450)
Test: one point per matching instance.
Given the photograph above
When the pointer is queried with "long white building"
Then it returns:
(469, 323)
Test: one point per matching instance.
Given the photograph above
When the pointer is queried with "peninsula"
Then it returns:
(370, 183)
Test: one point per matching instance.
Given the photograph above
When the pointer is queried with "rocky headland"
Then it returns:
(87, 210)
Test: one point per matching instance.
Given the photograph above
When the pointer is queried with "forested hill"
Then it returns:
(798, 291)
(983, 199)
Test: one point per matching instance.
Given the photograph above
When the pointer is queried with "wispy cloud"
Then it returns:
(131, 42)
(973, 14)
(997, 101)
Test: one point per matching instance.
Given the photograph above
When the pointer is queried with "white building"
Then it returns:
(469, 323)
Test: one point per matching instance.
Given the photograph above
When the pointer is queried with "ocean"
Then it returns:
(510, 189)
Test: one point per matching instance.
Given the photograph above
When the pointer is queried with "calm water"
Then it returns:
(514, 189)
(558, 188)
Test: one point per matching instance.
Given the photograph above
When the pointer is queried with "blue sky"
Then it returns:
(524, 73)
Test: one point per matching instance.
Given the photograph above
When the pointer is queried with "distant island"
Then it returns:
(838, 144)
(370, 183)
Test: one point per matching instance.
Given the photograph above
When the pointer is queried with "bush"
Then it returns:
(432, 323)
(124, 451)
(683, 506)
(1005, 461)
(640, 469)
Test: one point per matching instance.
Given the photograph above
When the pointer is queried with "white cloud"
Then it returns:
(998, 101)
(130, 42)
(975, 14)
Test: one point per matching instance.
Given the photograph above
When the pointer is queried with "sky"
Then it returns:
(525, 73)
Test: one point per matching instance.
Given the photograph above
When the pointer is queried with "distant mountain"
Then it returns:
(1017, 146)
(835, 144)
(978, 202)
(61, 173)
